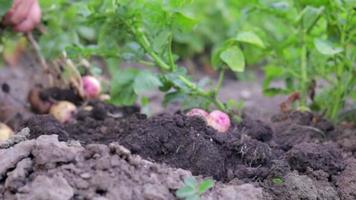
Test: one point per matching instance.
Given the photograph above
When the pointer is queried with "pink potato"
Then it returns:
(91, 87)
(218, 120)
(197, 112)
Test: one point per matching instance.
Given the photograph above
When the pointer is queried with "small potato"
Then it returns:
(218, 120)
(63, 111)
(91, 87)
(198, 112)
(5, 132)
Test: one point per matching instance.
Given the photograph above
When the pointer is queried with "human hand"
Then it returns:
(24, 15)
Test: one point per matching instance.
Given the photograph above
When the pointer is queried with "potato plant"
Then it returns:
(311, 47)
(143, 32)
(308, 44)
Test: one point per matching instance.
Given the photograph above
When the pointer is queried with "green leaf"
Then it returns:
(277, 181)
(251, 38)
(146, 81)
(275, 91)
(185, 192)
(310, 15)
(174, 79)
(176, 4)
(234, 58)
(190, 181)
(161, 40)
(205, 185)
(184, 23)
(5, 5)
(273, 71)
(325, 47)
(172, 96)
(235, 105)
(122, 87)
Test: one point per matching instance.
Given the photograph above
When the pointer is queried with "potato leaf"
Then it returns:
(145, 81)
(190, 181)
(310, 15)
(205, 185)
(251, 38)
(325, 47)
(184, 22)
(234, 58)
(122, 87)
(5, 5)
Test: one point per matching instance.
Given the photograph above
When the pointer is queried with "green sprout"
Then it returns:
(192, 190)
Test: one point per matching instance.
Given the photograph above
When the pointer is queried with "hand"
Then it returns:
(24, 15)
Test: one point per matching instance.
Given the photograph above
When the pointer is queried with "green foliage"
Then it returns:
(5, 5)
(277, 181)
(192, 190)
(318, 48)
(250, 37)
(325, 47)
(234, 58)
(309, 44)
(143, 31)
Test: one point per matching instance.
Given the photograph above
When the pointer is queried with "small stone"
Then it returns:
(85, 175)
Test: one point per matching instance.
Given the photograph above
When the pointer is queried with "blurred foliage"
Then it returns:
(309, 44)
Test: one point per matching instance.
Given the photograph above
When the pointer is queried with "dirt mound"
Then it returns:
(48, 169)
(251, 151)
(177, 140)
(317, 157)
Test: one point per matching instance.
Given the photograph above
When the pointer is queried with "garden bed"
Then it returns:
(296, 156)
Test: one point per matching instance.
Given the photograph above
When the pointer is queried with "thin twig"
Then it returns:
(42, 60)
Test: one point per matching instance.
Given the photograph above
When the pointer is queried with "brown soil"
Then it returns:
(45, 168)
(295, 148)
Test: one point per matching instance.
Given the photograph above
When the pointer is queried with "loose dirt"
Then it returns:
(45, 168)
(291, 157)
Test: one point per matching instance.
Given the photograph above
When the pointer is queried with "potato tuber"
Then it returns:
(63, 111)
(197, 112)
(91, 87)
(218, 120)
(5, 132)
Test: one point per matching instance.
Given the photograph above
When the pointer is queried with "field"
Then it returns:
(188, 100)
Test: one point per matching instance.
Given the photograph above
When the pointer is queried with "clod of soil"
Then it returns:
(346, 182)
(316, 156)
(58, 94)
(48, 169)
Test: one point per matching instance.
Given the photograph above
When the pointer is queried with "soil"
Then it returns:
(45, 168)
(296, 148)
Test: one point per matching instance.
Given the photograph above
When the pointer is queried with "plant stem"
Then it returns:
(212, 95)
(170, 54)
(220, 81)
(304, 73)
(142, 39)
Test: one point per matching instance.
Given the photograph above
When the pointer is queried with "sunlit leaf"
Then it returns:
(234, 58)
(205, 185)
(326, 47)
(251, 38)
